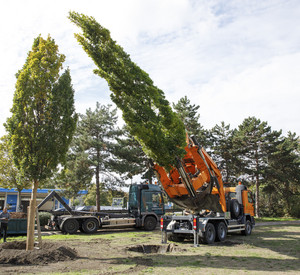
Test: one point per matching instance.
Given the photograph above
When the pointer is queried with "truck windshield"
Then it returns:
(133, 203)
(151, 201)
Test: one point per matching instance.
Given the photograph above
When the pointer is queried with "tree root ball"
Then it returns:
(15, 253)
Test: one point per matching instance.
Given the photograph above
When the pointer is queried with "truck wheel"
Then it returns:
(248, 229)
(70, 226)
(221, 232)
(150, 223)
(235, 209)
(90, 226)
(210, 234)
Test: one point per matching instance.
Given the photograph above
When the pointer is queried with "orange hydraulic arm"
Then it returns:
(196, 182)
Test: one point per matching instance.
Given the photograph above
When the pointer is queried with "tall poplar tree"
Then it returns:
(43, 118)
(146, 111)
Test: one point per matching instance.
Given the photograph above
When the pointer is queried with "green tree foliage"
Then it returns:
(129, 158)
(76, 176)
(188, 113)
(282, 189)
(43, 116)
(255, 142)
(108, 191)
(95, 134)
(223, 153)
(10, 177)
(146, 112)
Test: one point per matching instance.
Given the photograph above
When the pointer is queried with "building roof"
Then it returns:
(45, 191)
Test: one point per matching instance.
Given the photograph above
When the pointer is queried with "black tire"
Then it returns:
(70, 226)
(81, 229)
(221, 232)
(209, 234)
(248, 229)
(150, 223)
(90, 226)
(235, 209)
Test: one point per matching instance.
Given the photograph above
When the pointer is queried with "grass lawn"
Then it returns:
(270, 249)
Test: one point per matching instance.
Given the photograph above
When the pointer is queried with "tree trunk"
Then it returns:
(98, 188)
(19, 202)
(257, 198)
(31, 217)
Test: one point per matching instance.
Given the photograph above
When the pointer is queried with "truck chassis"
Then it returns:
(203, 229)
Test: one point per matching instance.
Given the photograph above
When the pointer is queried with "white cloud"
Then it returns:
(233, 58)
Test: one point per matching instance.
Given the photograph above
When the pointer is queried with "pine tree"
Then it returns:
(129, 158)
(254, 142)
(283, 175)
(188, 113)
(221, 138)
(76, 175)
(43, 117)
(94, 136)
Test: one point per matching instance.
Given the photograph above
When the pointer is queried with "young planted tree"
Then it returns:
(146, 112)
(10, 176)
(95, 133)
(255, 142)
(43, 118)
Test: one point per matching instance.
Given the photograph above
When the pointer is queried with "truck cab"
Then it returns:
(243, 196)
(146, 204)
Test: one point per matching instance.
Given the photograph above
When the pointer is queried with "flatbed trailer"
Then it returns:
(146, 205)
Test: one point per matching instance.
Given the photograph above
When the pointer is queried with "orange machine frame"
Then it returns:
(196, 173)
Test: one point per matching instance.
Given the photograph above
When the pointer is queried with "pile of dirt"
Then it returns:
(15, 253)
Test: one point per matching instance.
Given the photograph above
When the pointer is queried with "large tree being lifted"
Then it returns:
(147, 113)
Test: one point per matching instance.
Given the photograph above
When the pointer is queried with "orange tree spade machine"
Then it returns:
(214, 210)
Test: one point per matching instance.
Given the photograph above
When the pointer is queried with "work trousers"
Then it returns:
(3, 228)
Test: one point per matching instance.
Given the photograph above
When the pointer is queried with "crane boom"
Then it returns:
(196, 182)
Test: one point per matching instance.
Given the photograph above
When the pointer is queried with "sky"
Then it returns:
(234, 59)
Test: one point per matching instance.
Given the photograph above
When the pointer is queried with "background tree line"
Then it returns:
(264, 160)
(102, 157)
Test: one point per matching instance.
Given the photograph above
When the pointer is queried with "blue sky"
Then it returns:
(233, 58)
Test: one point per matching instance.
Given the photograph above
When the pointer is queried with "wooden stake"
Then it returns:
(38, 228)
(30, 226)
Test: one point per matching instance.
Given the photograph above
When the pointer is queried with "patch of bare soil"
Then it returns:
(15, 253)
(154, 248)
